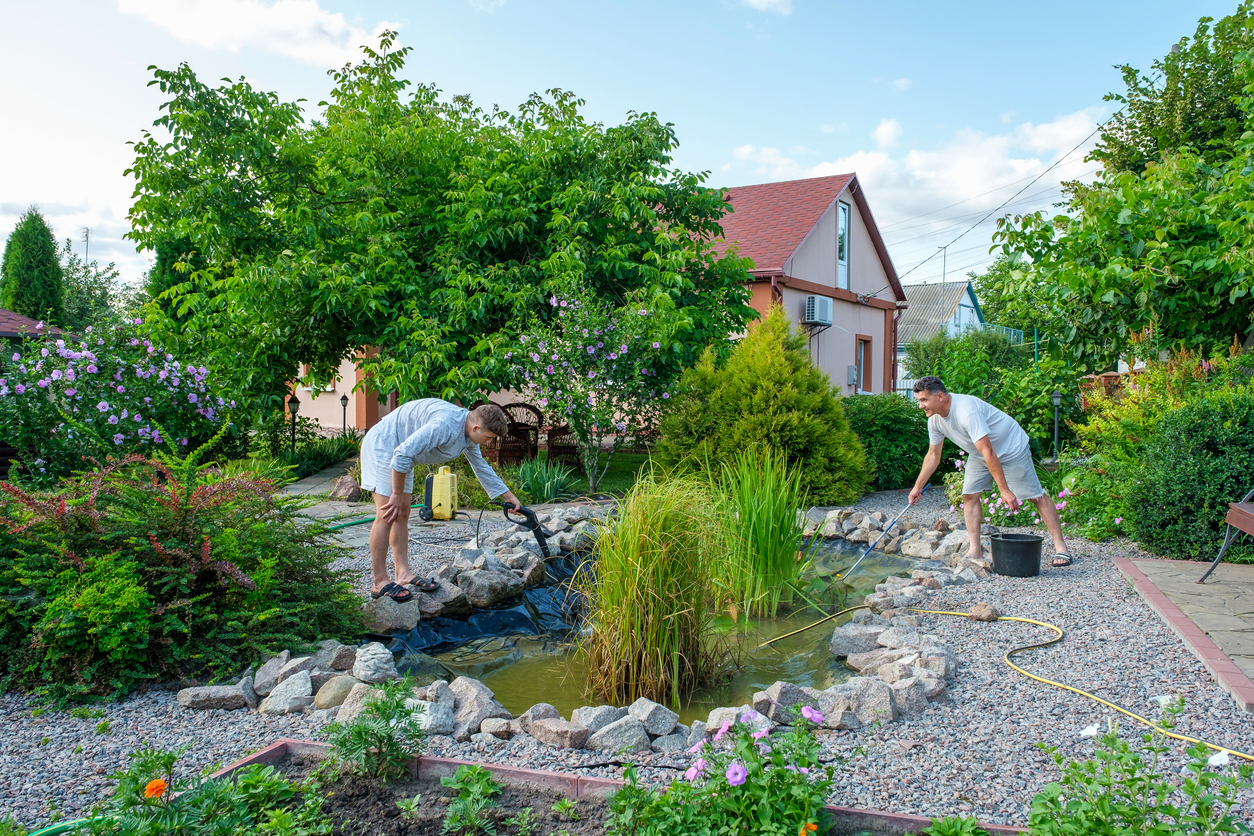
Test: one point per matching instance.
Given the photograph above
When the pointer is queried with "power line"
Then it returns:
(962, 219)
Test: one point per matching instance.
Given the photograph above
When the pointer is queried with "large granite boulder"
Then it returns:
(851, 638)
(226, 697)
(626, 734)
(385, 614)
(333, 656)
(346, 488)
(658, 720)
(433, 717)
(268, 676)
(558, 732)
(486, 588)
(596, 717)
(475, 703)
(374, 663)
(447, 601)
(291, 696)
(335, 691)
(356, 700)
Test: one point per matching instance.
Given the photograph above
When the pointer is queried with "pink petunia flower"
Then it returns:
(737, 774)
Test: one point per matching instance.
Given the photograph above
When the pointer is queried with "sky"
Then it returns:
(944, 111)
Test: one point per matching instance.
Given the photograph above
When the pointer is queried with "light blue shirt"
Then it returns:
(430, 431)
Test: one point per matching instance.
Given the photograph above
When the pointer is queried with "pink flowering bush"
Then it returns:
(65, 399)
(745, 779)
(598, 370)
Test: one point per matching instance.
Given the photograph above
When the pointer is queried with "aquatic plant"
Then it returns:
(648, 597)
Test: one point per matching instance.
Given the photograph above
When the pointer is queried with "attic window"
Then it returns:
(842, 245)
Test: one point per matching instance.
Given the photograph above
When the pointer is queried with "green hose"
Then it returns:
(63, 827)
(360, 522)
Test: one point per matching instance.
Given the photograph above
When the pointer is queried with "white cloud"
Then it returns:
(886, 133)
(783, 7)
(925, 197)
(832, 129)
(903, 83)
(486, 5)
(300, 29)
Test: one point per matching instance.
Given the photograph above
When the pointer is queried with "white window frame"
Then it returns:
(844, 220)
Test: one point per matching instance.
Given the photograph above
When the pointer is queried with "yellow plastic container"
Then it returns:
(440, 494)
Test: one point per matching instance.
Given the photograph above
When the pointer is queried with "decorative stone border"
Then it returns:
(845, 820)
(1227, 675)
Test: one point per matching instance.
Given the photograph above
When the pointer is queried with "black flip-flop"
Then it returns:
(1066, 559)
(397, 593)
(424, 584)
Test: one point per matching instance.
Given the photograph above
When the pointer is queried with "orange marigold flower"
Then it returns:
(809, 827)
(155, 788)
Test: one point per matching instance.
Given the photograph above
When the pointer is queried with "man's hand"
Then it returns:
(916, 494)
(1011, 501)
(509, 497)
(391, 509)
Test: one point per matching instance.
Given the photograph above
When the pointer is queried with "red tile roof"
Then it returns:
(770, 220)
(16, 325)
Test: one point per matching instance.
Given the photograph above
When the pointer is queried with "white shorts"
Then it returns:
(1020, 476)
(376, 471)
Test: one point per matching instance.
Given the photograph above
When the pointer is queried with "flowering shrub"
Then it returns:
(64, 400)
(745, 780)
(996, 512)
(595, 369)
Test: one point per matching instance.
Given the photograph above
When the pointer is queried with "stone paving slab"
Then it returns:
(322, 481)
(1215, 619)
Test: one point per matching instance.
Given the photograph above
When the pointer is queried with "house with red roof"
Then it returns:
(817, 252)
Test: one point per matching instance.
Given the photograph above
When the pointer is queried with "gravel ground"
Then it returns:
(429, 548)
(974, 754)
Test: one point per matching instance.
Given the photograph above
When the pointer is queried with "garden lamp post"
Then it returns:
(344, 406)
(1057, 399)
(293, 406)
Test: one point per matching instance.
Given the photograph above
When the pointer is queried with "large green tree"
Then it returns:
(30, 273)
(94, 295)
(428, 229)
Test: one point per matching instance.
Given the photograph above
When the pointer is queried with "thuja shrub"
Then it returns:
(768, 394)
(893, 430)
(153, 568)
(67, 401)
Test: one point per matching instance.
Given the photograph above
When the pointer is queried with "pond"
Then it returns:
(525, 652)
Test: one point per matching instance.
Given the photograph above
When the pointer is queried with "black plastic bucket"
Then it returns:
(1017, 555)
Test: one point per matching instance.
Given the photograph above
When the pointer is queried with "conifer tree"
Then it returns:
(768, 393)
(30, 272)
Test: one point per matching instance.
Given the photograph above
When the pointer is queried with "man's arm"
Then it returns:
(999, 476)
(487, 477)
(930, 462)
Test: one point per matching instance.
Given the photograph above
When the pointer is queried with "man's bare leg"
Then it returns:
(380, 532)
(1049, 515)
(400, 544)
(973, 516)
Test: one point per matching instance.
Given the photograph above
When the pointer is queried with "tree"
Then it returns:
(768, 393)
(173, 269)
(1191, 99)
(431, 230)
(30, 274)
(1029, 308)
(94, 295)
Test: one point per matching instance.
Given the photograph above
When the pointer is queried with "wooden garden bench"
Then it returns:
(1240, 520)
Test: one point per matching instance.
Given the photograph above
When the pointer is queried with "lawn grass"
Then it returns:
(624, 470)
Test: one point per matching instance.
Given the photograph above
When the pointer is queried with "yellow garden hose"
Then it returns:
(1057, 638)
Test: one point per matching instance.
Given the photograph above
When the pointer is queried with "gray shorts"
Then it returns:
(1020, 476)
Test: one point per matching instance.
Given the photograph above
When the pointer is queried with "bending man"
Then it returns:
(998, 453)
(428, 431)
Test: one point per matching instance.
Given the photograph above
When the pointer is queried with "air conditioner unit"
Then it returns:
(818, 311)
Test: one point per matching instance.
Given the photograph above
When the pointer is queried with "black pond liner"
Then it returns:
(553, 609)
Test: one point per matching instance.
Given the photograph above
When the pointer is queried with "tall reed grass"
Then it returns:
(764, 494)
(649, 594)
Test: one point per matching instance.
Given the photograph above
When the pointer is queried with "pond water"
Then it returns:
(526, 652)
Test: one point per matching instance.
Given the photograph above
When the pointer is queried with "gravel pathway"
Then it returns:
(429, 548)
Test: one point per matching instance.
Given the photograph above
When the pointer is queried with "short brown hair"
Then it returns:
(492, 418)
(931, 384)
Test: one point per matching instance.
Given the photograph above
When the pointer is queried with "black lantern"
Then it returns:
(1057, 399)
(344, 405)
(293, 406)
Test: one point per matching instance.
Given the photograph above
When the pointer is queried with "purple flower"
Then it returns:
(91, 368)
(103, 406)
(43, 383)
(591, 375)
(811, 715)
(591, 350)
(643, 312)
(19, 388)
(622, 349)
(121, 389)
(16, 357)
(700, 744)
(657, 345)
(736, 774)
(137, 418)
(43, 352)
(1118, 520)
(191, 397)
(124, 413)
(113, 419)
(553, 301)
(802, 770)
(666, 394)
(749, 716)
(169, 358)
(70, 375)
(69, 393)
(549, 369)
(722, 730)
(759, 734)
(698, 767)
(563, 303)
(119, 438)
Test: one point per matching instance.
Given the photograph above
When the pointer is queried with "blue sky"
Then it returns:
(931, 104)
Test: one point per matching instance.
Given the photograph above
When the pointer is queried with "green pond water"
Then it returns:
(525, 670)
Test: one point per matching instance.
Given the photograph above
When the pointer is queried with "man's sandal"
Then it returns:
(1061, 559)
(397, 593)
(424, 584)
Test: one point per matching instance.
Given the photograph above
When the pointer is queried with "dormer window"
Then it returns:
(842, 245)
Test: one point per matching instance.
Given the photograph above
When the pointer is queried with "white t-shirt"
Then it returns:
(970, 419)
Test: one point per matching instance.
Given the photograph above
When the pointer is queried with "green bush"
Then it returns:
(158, 569)
(974, 361)
(546, 481)
(318, 455)
(894, 432)
(1199, 458)
(384, 737)
(769, 394)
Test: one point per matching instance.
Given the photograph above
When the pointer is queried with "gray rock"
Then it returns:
(226, 697)
(384, 614)
(967, 575)
(933, 686)
(910, 596)
(871, 699)
(489, 562)
(779, 701)
(940, 661)
(447, 572)
(433, 717)
(484, 739)
(374, 663)
(658, 720)
(555, 731)
(596, 717)
(356, 700)
(268, 676)
(864, 662)
(485, 588)
(671, 744)
(895, 637)
(447, 601)
(534, 572)
(250, 694)
(906, 622)
(321, 677)
(497, 727)
(465, 559)
(333, 656)
(868, 617)
(290, 696)
(626, 734)
(895, 671)
(837, 709)
(855, 638)
(437, 691)
(539, 711)
(346, 488)
(697, 733)
(323, 716)
(475, 703)
(878, 602)
(909, 696)
(335, 692)
(295, 666)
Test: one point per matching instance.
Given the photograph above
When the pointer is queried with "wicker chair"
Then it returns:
(525, 421)
(564, 448)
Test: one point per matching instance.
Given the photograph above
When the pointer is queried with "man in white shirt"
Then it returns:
(427, 431)
(998, 452)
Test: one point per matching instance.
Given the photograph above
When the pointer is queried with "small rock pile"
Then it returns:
(909, 539)
(485, 574)
(892, 653)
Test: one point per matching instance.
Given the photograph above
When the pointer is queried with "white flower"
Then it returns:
(1219, 759)
(1089, 731)
(1162, 699)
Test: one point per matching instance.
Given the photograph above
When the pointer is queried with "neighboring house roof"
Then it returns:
(769, 221)
(931, 307)
(16, 325)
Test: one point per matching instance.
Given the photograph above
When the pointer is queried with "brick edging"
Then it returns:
(845, 820)
(1227, 675)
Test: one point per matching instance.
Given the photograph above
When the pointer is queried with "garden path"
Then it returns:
(1215, 619)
